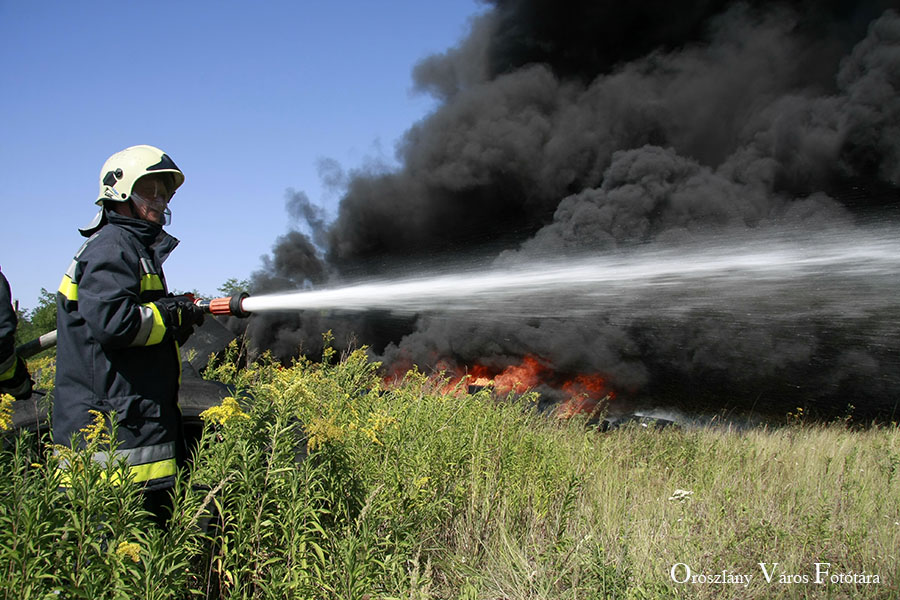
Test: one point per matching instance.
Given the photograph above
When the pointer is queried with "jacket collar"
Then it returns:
(151, 235)
(163, 245)
(145, 231)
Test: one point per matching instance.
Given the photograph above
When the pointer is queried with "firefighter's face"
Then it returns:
(151, 198)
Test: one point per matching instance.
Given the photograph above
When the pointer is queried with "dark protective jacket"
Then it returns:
(8, 322)
(14, 377)
(113, 352)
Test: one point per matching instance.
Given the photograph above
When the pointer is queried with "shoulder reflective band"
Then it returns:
(151, 282)
(69, 289)
(150, 279)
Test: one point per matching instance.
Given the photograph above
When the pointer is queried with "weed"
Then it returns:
(319, 480)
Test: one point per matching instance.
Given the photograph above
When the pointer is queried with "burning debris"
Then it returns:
(575, 128)
(569, 394)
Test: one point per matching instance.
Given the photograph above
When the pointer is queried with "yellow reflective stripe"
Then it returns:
(65, 478)
(8, 374)
(159, 326)
(178, 353)
(151, 282)
(68, 288)
(154, 470)
(138, 473)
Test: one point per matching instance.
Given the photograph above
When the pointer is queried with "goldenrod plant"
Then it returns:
(319, 480)
(6, 411)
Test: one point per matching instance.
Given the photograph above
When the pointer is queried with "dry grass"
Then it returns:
(412, 492)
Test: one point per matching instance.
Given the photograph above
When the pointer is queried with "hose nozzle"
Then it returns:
(227, 306)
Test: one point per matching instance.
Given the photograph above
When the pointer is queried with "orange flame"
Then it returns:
(584, 393)
(480, 375)
(521, 377)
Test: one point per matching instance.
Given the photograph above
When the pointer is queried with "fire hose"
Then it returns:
(229, 306)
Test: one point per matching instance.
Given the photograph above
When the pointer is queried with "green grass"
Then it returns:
(333, 485)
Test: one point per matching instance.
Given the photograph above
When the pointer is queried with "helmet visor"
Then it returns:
(155, 210)
(151, 199)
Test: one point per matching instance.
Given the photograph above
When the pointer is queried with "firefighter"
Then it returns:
(14, 377)
(119, 329)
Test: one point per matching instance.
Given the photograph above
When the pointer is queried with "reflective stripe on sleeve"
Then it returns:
(152, 329)
(178, 352)
(146, 328)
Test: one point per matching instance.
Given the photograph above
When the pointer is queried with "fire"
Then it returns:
(583, 393)
(520, 378)
(479, 375)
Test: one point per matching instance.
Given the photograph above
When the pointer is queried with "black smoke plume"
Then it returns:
(587, 126)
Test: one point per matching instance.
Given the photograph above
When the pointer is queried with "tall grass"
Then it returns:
(321, 481)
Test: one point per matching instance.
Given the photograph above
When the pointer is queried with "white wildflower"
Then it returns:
(681, 495)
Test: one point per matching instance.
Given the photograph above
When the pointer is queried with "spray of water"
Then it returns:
(836, 273)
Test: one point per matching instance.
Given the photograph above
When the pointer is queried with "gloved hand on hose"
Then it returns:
(18, 384)
(180, 315)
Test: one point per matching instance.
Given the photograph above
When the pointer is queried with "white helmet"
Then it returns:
(122, 169)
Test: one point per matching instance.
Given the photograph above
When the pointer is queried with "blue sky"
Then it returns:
(247, 98)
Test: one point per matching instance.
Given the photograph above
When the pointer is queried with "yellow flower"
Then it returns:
(321, 431)
(377, 423)
(372, 436)
(129, 550)
(96, 430)
(227, 412)
(6, 410)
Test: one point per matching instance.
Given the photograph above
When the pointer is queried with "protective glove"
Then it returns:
(180, 315)
(20, 384)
